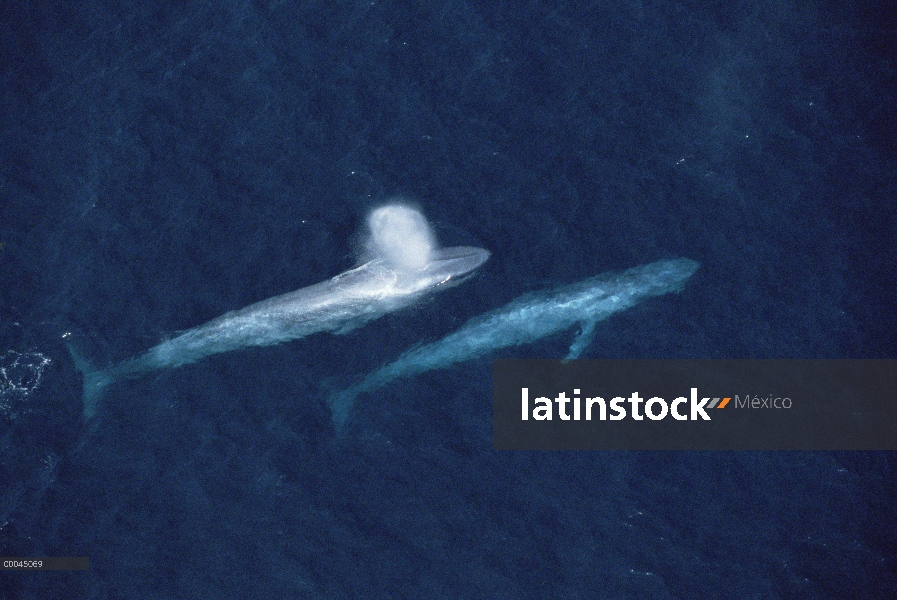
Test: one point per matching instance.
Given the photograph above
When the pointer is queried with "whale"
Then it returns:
(402, 266)
(525, 320)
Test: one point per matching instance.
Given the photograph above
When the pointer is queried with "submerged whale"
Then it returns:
(528, 318)
(402, 266)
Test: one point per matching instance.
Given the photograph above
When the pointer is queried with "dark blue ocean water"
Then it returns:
(164, 163)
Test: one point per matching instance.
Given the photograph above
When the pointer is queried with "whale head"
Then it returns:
(450, 266)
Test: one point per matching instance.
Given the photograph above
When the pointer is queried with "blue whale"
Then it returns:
(403, 267)
(525, 320)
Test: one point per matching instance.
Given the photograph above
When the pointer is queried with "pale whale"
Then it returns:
(403, 267)
(525, 320)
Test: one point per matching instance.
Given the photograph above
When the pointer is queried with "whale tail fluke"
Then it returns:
(95, 381)
(341, 403)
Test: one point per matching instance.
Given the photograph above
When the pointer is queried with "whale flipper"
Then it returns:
(582, 340)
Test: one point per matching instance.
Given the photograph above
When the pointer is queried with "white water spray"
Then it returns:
(401, 236)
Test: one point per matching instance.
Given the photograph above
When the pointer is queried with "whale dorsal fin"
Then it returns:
(582, 340)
